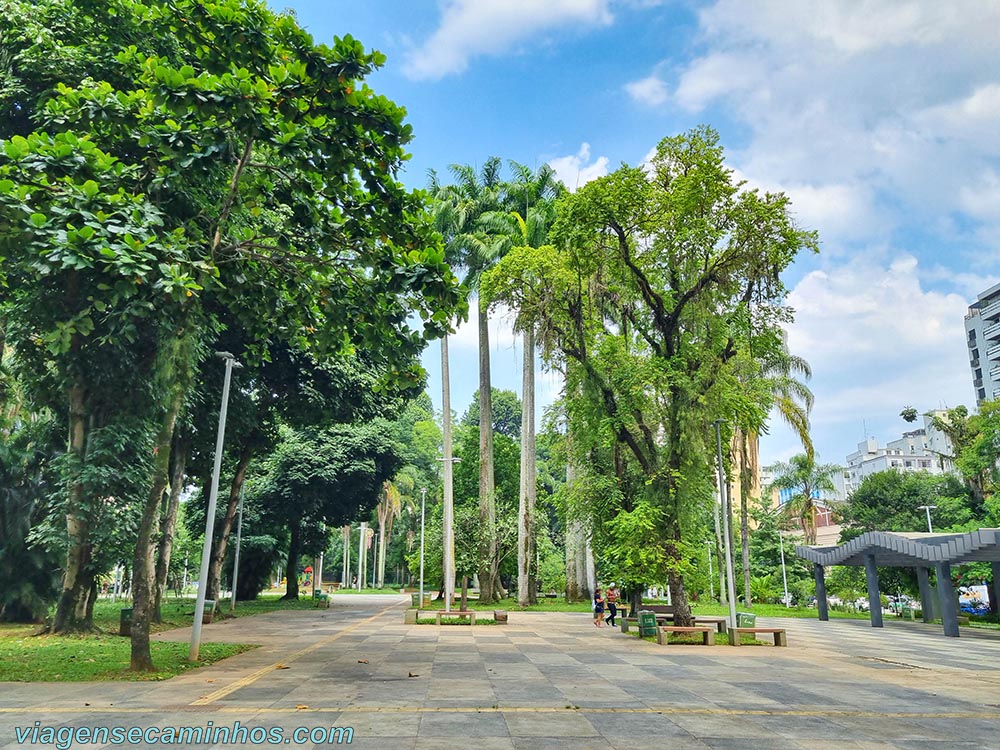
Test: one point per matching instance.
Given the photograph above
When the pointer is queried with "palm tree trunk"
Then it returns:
(489, 562)
(526, 505)
(448, 552)
(746, 485)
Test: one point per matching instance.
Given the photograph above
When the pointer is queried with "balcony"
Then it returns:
(992, 332)
(991, 312)
(993, 352)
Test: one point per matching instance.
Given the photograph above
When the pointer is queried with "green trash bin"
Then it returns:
(125, 622)
(746, 620)
(647, 623)
(415, 600)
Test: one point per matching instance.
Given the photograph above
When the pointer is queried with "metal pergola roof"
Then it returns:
(906, 550)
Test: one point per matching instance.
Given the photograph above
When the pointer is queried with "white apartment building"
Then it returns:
(924, 449)
(982, 329)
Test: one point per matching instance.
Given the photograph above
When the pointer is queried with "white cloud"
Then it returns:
(577, 170)
(650, 91)
(466, 336)
(902, 98)
(877, 340)
(470, 28)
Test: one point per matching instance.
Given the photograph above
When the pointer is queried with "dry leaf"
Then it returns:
(210, 680)
(411, 674)
(282, 666)
(301, 707)
(362, 661)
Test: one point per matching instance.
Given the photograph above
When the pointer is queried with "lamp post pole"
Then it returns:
(784, 577)
(711, 575)
(928, 509)
(236, 557)
(724, 497)
(423, 502)
(213, 495)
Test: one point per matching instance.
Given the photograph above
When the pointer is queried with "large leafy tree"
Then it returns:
(228, 161)
(656, 279)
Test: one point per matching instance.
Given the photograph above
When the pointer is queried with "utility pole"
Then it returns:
(711, 583)
(784, 576)
(423, 502)
(236, 557)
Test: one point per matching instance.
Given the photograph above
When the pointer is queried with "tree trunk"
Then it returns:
(71, 611)
(746, 487)
(226, 527)
(489, 565)
(168, 525)
(526, 504)
(292, 564)
(448, 509)
(465, 593)
(143, 573)
(380, 572)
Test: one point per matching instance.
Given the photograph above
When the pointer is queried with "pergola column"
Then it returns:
(946, 596)
(874, 599)
(995, 593)
(926, 600)
(821, 604)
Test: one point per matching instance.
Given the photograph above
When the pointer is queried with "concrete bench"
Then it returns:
(663, 631)
(471, 614)
(719, 623)
(778, 633)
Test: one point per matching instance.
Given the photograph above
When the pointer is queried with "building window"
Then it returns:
(909, 464)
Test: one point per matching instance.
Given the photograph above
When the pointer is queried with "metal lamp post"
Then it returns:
(727, 551)
(711, 583)
(213, 495)
(423, 502)
(784, 577)
(928, 509)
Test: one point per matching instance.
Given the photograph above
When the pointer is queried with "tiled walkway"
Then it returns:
(549, 680)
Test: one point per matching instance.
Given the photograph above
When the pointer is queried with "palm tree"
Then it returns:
(806, 479)
(777, 384)
(534, 194)
(388, 509)
(462, 205)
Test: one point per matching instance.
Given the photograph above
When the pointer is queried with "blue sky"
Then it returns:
(879, 120)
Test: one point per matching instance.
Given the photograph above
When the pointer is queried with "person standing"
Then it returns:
(598, 608)
(611, 598)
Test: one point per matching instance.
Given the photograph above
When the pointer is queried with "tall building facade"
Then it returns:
(982, 330)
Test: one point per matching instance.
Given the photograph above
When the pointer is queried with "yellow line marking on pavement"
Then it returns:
(254, 676)
(669, 710)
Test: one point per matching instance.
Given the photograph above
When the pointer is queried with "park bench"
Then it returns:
(663, 631)
(471, 614)
(778, 633)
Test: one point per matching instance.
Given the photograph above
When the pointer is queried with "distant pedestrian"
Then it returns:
(612, 598)
(598, 608)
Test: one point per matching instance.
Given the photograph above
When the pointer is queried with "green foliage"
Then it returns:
(890, 500)
(657, 278)
(506, 413)
(807, 480)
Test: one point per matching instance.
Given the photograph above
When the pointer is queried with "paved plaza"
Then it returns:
(553, 680)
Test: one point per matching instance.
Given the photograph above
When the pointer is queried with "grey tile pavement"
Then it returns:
(551, 680)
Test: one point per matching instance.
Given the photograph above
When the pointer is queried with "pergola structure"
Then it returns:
(905, 550)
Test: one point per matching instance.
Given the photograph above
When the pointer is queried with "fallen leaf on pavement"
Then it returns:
(362, 661)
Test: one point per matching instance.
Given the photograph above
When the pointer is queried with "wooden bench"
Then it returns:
(707, 633)
(778, 633)
(471, 614)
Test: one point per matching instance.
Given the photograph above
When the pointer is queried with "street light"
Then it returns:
(724, 497)
(213, 495)
(449, 531)
(784, 577)
(928, 509)
(423, 501)
(711, 575)
(236, 560)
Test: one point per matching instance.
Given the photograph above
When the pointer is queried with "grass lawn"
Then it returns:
(772, 610)
(54, 658)
(544, 605)
(27, 657)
